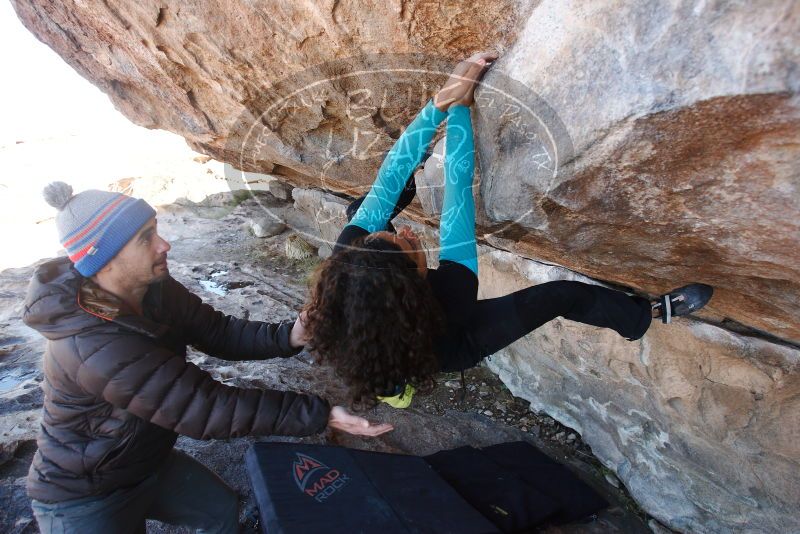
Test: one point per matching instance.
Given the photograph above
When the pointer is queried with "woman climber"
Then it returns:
(386, 323)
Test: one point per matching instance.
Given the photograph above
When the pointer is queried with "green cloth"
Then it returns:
(403, 400)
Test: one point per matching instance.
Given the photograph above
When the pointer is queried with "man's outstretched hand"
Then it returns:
(341, 419)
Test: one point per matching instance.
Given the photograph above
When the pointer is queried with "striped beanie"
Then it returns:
(94, 225)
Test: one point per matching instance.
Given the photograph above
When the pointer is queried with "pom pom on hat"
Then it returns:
(57, 194)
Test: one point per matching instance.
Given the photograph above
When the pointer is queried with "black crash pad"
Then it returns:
(575, 500)
(314, 488)
(517, 486)
(499, 494)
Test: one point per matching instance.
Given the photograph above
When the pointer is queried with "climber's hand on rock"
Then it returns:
(460, 87)
(341, 419)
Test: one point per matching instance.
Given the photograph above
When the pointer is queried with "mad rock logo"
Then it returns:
(316, 479)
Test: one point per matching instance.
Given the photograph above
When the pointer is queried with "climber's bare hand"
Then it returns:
(460, 87)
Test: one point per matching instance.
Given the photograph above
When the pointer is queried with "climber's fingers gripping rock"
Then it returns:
(460, 86)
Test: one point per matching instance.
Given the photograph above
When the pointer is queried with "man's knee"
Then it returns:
(222, 508)
(221, 516)
(228, 513)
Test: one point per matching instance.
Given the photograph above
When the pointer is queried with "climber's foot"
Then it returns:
(682, 301)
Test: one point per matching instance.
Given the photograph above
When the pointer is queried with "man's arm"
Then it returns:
(225, 336)
(160, 386)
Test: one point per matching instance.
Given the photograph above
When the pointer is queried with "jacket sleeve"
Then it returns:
(160, 386)
(225, 336)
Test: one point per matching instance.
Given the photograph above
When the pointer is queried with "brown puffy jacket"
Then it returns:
(118, 389)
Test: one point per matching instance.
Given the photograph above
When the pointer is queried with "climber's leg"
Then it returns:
(498, 322)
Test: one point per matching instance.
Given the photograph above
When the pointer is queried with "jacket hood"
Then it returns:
(51, 304)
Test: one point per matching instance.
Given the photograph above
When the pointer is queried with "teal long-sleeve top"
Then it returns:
(457, 225)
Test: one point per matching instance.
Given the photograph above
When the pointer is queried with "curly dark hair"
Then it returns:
(373, 318)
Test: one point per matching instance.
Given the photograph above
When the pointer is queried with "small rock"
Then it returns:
(560, 436)
(487, 412)
(266, 227)
(325, 251)
(202, 159)
(524, 428)
(611, 479)
(279, 190)
(452, 384)
(571, 438)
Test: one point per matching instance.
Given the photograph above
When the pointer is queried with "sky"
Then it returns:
(41, 95)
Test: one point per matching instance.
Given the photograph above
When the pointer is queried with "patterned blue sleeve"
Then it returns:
(400, 162)
(457, 226)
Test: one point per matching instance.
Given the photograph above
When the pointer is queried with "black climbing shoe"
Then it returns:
(683, 301)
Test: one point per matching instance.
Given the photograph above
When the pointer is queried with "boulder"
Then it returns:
(679, 161)
(266, 227)
(644, 143)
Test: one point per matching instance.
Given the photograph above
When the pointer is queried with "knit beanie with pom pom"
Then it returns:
(94, 225)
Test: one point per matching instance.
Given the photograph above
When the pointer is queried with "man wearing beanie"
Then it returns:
(118, 388)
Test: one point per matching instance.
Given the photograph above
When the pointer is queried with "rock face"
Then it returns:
(685, 125)
(643, 143)
(211, 73)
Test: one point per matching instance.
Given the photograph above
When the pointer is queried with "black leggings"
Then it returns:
(496, 323)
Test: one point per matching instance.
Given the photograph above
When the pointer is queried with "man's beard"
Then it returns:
(160, 271)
